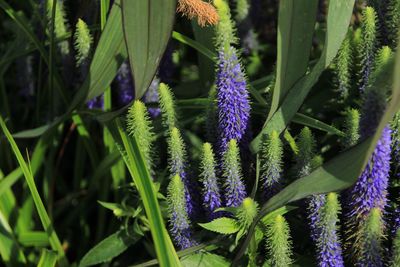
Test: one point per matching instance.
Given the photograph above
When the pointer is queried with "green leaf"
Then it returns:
(222, 225)
(47, 259)
(44, 217)
(339, 15)
(147, 29)
(296, 22)
(196, 45)
(342, 171)
(10, 251)
(204, 259)
(34, 239)
(109, 248)
(136, 165)
(316, 124)
(108, 57)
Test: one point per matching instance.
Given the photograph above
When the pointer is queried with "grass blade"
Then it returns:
(136, 165)
(48, 259)
(44, 217)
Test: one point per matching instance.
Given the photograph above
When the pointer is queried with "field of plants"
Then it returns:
(204, 133)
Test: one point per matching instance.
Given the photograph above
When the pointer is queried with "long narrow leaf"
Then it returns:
(136, 165)
(339, 14)
(44, 217)
(147, 29)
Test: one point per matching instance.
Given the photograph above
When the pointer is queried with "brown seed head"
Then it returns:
(204, 11)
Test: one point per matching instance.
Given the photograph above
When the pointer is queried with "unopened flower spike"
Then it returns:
(370, 240)
(211, 191)
(61, 26)
(83, 42)
(246, 212)
(306, 145)
(139, 125)
(392, 22)
(367, 46)
(177, 164)
(329, 251)
(271, 165)
(351, 128)
(279, 243)
(235, 190)
(178, 218)
(226, 32)
(167, 105)
(343, 65)
(242, 9)
(204, 11)
(395, 261)
(125, 85)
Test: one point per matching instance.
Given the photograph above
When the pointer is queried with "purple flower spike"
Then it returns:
(370, 190)
(232, 98)
(125, 86)
(235, 190)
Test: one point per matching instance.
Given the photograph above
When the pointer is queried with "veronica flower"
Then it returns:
(167, 105)
(83, 42)
(271, 168)
(329, 251)
(177, 166)
(367, 46)
(343, 64)
(125, 86)
(232, 98)
(211, 193)
(392, 22)
(178, 217)
(306, 148)
(370, 240)
(61, 26)
(351, 128)
(246, 212)
(139, 126)
(396, 250)
(370, 190)
(279, 244)
(235, 190)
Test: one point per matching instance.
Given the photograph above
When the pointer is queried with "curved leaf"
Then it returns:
(342, 171)
(339, 15)
(222, 225)
(109, 248)
(147, 28)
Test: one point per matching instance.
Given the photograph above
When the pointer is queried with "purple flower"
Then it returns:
(232, 98)
(323, 214)
(370, 190)
(211, 194)
(151, 96)
(125, 86)
(235, 190)
(96, 103)
(178, 217)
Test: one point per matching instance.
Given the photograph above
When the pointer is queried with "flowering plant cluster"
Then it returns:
(200, 133)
